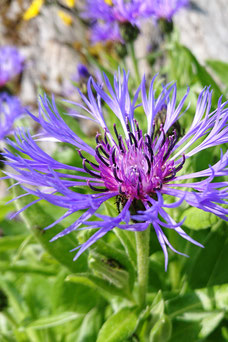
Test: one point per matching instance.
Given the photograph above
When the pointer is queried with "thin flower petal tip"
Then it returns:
(11, 63)
(140, 161)
(10, 109)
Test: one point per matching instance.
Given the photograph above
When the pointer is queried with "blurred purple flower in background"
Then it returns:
(11, 63)
(107, 16)
(145, 172)
(103, 32)
(10, 110)
(82, 73)
(117, 10)
(165, 9)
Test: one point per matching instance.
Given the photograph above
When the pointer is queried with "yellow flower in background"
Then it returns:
(70, 3)
(66, 18)
(108, 2)
(33, 10)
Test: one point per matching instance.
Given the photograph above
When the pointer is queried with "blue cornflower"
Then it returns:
(165, 9)
(11, 63)
(108, 16)
(10, 110)
(144, 171)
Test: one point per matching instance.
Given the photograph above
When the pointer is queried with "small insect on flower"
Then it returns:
(144, 171)
(11, 63)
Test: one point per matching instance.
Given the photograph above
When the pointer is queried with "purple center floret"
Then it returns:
(130, 166)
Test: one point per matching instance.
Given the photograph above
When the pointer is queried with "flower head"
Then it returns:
(108, 16)
(165, 9)
(10, 110)
(145, 171)
(117, 10)
(11, 63)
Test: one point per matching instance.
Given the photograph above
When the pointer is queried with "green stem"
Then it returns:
(135, 61)
(142, 246)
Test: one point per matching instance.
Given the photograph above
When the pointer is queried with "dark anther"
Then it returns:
(173, 142)
(121, 144)
(148, 163)
(128, 127)
(152, 133)
(105, 138)
(140, 178)
(171, 145)
(137, 128)
(116, 132)
(97, 189)
(148, 139)
(138, 189)
(148, 144)
(102, 150)
(96, 166)
(120, 191)
(89, 171)
(158, 187)
(133, 139)
(164, 137)
(167, 179)
(178, 168)
(175, 137)
(113, 157)
(100, 157)
(98, 138)
(115, 175)
(106, 141)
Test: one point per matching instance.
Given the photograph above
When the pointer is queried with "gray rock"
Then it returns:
(204, 29)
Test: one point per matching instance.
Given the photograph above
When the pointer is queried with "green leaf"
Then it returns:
(4, 210)
(184, 68)
(53, 321)
(104, 288)
(162, 330)
(198, 219)
(119, 326)
(198, 313)
(158, 306)
(36, 220)
(205, 78)
(102, 268)
(208, 299)
(15, 298)
(185, 332)
(126, 238)
(208, 321)
(90, 326)
(63, 292)
(11, 242)
(220, 68)
(117, 255)
(24, 267)
(207, 265)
